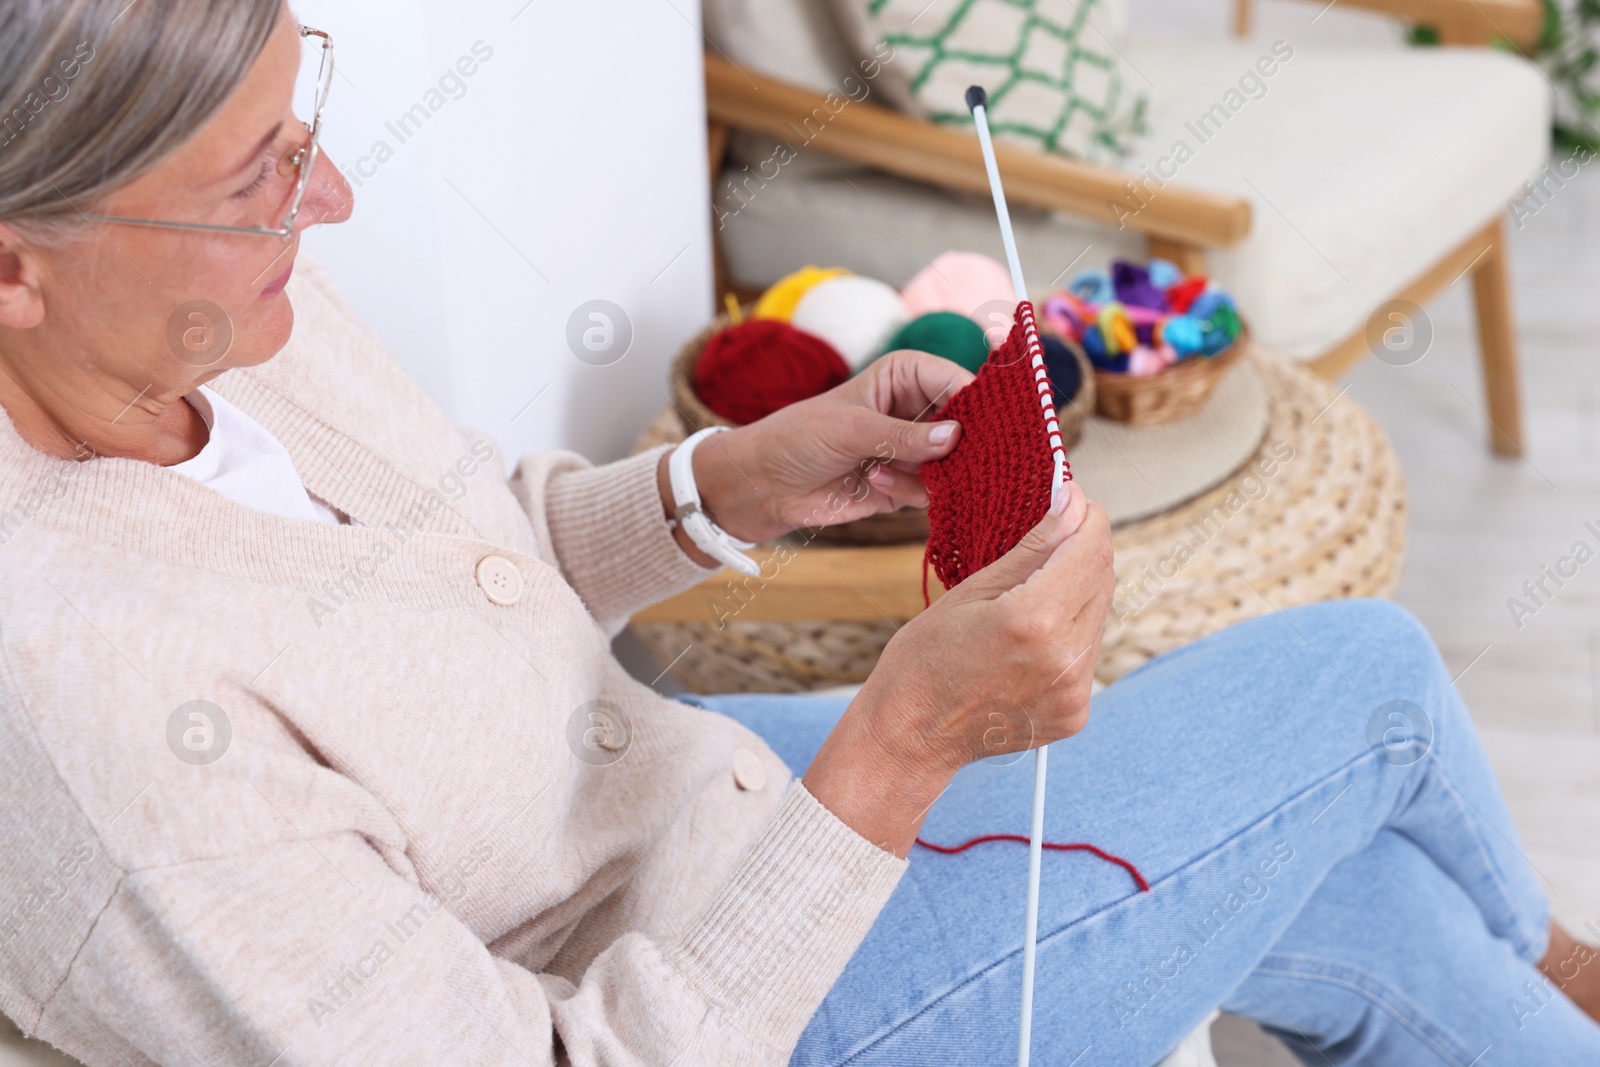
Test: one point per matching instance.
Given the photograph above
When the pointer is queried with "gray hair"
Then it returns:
(93, 93)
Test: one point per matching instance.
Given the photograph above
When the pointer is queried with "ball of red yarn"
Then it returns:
(748, 371)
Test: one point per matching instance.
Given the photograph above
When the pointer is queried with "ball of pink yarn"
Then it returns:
(961, 282)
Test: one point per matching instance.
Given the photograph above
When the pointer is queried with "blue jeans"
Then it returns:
(1327, 850)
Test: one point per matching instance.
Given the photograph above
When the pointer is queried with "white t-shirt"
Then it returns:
(246, 464)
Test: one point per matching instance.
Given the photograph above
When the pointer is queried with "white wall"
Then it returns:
(568, 167)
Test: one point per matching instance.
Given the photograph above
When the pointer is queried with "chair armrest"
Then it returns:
(889, 141)
(1467, 21)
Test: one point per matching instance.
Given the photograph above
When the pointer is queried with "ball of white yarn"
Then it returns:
(856, 315)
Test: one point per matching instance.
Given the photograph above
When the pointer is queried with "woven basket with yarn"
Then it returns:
(1330, 523)
(891, 527)
(1175, 393)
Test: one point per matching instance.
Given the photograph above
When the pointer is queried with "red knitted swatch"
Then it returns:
(995, 486)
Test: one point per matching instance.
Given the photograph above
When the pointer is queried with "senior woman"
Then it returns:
(314, 752)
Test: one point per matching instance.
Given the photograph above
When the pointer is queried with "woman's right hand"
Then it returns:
(1002, 663)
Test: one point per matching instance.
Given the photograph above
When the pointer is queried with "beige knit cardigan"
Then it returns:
(408, 851)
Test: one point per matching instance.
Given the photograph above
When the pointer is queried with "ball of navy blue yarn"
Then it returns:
(1066, 376)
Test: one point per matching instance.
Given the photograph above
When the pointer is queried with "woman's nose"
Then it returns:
(329, 198)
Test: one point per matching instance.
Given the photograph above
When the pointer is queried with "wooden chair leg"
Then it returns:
(717, 134)
(1243, 18)
(1497, 343)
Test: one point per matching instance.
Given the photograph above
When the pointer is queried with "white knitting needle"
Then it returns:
(978, 102)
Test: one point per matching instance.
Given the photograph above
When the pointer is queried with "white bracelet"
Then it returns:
(711, 539)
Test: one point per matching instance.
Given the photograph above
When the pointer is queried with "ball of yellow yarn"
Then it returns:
(779, 301)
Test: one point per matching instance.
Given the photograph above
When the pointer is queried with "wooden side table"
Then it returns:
(1318, 513)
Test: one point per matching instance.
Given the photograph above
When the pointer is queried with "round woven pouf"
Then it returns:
(1316, 513)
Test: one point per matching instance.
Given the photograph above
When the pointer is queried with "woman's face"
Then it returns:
(138, 301)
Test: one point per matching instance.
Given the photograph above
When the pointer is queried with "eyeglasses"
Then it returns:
(304, 159)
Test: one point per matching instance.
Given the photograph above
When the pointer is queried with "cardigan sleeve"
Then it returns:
(316, 951)
(604, 528)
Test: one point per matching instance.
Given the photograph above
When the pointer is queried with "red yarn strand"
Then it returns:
(950, 850)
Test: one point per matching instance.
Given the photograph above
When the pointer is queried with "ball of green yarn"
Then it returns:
(944, 333)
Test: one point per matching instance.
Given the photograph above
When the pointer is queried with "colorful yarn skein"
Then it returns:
(1066, 314)
(1116, 329)
(1181, 295)
(1140, 319)
(1144, 361)
(1133, 286)
(1163, 273)
(750, 370)
(1093, 287)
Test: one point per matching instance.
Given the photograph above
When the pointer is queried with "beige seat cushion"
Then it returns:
(1364, 166)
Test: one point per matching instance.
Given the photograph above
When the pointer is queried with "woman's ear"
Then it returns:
(21, 289)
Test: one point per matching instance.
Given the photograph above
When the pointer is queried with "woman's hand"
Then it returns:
(1000, 664)
(847, 454)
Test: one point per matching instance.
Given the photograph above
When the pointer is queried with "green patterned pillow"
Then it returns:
(1054, 78)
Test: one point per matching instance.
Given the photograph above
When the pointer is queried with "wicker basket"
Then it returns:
(891, 527)
(1331, 524)
(1175, 393)
(693, 410)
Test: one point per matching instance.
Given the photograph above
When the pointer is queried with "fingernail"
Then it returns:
(941, 432)
(1059, 504)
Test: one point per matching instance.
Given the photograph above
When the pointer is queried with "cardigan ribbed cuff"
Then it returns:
(780, 931)
(610, 534)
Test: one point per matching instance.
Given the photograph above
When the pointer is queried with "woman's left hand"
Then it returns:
(846, 454)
